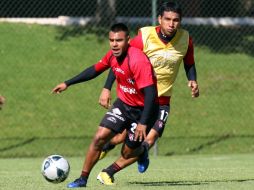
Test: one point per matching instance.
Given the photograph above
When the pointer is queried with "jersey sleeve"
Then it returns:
(143, 72)
(137, 41)
(104, 63)
(189, 57)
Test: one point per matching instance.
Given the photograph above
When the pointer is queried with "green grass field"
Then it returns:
(208, 142)
(35, 123)
(221, 172)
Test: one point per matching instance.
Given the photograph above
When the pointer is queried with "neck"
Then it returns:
(121, 57)
(164, 37)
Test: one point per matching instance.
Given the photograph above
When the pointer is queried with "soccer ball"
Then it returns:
(55, 168)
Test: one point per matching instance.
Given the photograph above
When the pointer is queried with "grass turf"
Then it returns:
(218, 172)
(34, 123)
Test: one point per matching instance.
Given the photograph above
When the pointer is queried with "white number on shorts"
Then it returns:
(133, 127)
(164, 115)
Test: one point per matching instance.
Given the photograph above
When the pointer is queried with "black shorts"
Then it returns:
(122, 116)
(162, 119)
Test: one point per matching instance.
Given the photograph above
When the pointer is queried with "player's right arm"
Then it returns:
(87, 74)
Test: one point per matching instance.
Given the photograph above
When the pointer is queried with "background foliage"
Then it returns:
(35, 58)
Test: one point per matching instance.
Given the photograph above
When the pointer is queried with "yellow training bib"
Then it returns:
(165, 58)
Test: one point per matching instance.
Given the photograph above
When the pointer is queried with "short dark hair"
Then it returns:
(170, 6)
(120, 27)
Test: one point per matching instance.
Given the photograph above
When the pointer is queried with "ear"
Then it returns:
(128, 38)
(159, 19)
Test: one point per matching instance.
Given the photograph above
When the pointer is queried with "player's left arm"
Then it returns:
(150, 94)
(105, 97)
(190, 70)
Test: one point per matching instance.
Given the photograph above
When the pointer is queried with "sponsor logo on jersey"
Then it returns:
(119, 70)
(128, 90)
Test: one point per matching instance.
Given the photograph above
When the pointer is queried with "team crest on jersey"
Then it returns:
(131, 81)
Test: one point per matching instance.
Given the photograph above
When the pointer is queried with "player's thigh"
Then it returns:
(104, 134)
(119, 138)
(115, 118)
(130, 152)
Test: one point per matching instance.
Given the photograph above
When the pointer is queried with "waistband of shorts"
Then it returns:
(135, 107)
(164, 100)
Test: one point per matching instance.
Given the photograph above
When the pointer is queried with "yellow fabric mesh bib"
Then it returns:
(165, 58)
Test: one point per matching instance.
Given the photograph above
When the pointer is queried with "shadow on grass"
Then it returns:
(200, 147)
(19, 144)
(187, 183)
(15, 145)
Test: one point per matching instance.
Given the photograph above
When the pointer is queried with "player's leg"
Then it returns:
(106, 176)
(110, 125)
(118, 139)
(131, 150)
(153, 135)
(159, 125)
(102, 136)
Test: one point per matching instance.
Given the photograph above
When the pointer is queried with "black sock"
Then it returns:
(108, 146)
(84, 175)
(145, 145)
(112, 169)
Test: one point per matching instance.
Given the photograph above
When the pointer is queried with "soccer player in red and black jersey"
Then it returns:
(166, 45)
(136, 106)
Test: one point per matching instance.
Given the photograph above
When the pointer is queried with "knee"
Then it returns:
(125, 154)
(150, 142)
(151, 138)
(98, 142)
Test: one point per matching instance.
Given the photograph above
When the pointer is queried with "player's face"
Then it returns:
(169, 22)
(118, 42)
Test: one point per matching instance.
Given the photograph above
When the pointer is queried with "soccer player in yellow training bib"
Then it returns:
(166, 45)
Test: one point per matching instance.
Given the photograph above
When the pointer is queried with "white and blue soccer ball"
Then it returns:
(55, 168)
